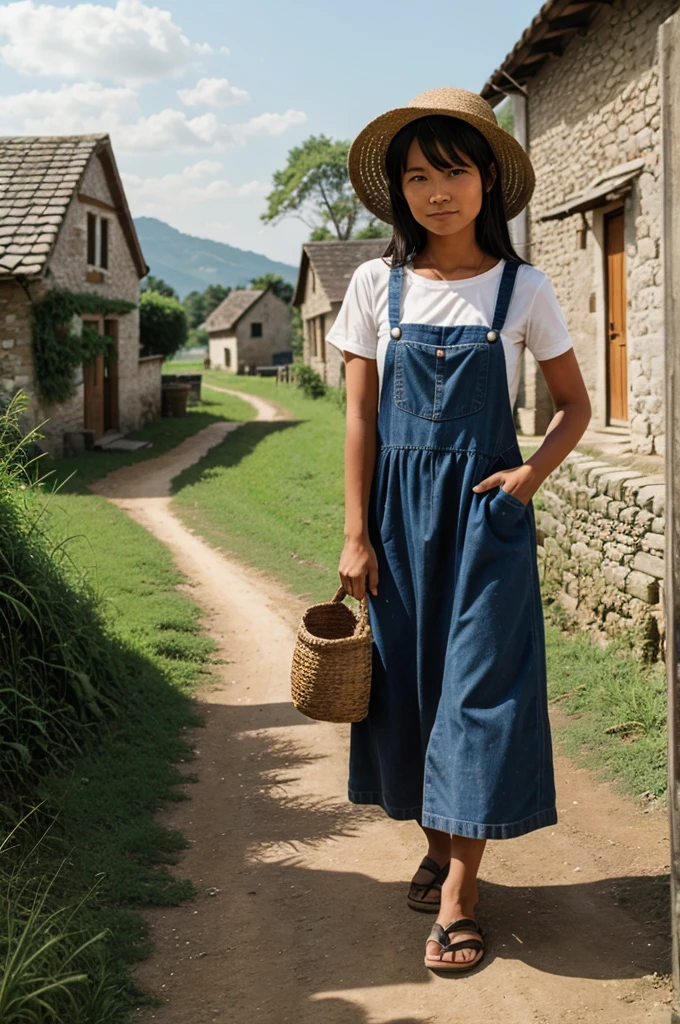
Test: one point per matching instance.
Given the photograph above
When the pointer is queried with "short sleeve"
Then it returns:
(547, 334)
(354, 329)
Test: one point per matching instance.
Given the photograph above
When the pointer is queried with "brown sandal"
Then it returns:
(441, 936)
(439, 874)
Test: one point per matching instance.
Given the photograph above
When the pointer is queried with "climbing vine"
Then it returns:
(57, 349)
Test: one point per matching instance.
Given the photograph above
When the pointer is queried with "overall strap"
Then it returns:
(394, 296)
(504, 294)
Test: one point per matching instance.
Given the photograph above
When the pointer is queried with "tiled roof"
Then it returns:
(335, 262)
(231, 309)
(38, 177)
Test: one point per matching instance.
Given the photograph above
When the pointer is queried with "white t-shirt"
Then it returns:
(534, 318)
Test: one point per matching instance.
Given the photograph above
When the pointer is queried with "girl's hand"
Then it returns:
(521, 482)
(358, 560)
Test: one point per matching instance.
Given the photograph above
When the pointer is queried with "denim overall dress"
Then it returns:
(457, 735)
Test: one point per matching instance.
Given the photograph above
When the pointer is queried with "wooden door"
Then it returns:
(93, 381)
(617, 352)
(111, 421)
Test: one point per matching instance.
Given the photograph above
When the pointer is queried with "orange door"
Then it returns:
(617, 353)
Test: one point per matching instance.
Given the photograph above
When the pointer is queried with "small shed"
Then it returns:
(324, 273)
(250, 328)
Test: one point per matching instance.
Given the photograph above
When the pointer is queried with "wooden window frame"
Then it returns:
(256, 333)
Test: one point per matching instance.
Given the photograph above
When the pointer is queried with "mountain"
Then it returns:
(187, 262)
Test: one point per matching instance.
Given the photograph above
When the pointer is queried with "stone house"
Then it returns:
(589, 88)
(65, 225)
(583, 82)
(323, 275)
(250, 328)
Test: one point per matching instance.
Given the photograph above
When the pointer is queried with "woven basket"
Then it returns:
(331, 670)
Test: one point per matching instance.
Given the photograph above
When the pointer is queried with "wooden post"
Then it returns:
(669, 50)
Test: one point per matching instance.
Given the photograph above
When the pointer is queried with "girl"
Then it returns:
(439, 521)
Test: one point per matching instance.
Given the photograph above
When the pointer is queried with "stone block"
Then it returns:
(650, 564)
(600, 504)
(659, 524)
(652, 497)
(616, 575)
(642, 586)
(655, 542)
(613, 483)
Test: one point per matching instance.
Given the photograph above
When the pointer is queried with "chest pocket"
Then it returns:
(440, 382)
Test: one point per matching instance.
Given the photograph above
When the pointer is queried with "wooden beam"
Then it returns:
(669, 77)
(82, 198)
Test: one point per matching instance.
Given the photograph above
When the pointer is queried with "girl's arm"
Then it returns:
(572, 415)
(358, 558)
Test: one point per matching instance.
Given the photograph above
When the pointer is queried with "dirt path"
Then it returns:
(301, 915)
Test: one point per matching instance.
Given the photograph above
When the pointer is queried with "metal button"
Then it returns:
(396, 332)
(440, 351)
(491, 336)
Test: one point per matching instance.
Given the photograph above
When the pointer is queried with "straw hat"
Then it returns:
(366, 161)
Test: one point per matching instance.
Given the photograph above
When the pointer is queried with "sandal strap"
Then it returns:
(437, 934)
(439, 873)
(431, 865)
(467, 924)
(462, 944)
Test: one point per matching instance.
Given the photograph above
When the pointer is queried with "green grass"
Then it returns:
(164, 432)
(289, 476)
(272, 493)
(92, 831)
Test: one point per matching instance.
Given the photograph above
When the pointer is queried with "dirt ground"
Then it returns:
(301, 915)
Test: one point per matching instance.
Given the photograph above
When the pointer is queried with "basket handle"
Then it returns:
(340, 595)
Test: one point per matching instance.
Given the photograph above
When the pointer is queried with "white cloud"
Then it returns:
(172, 130)
(212, 92)
(129, 43)
(195, 184)
(82, 107)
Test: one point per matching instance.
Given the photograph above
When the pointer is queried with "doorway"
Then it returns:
(615, 293)
(100, 380)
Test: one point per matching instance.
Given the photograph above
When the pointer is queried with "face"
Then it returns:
(445, 201)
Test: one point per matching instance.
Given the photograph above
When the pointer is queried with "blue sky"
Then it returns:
(204, 100)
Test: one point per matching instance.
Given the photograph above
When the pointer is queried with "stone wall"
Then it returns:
(149, 378)
(592, 108)
(601, 537)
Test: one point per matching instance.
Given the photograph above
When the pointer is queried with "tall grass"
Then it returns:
(60, 673)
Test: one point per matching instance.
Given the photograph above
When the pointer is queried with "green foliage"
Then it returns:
(314, 186)
(296, 335)
(197, 339)
(282, 288)
(505, 118)
(309, 381)
(58, 349)
(158, 285)
(374, 229)
(162, 325)
(60, 670)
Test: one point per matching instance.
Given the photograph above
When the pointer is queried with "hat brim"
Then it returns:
(368, 173)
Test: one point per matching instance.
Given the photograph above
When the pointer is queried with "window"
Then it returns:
(103, 242)
(322, 336)
(91, 239)
(97, 241)
(227, 357)
(256, 329)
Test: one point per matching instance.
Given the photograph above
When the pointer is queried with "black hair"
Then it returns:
(442, 138)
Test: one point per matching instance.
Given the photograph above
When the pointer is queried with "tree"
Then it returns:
(282, 288)
(158, 285)
(162, 324)
(214, 295)
(194, 306)
(315, 187)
